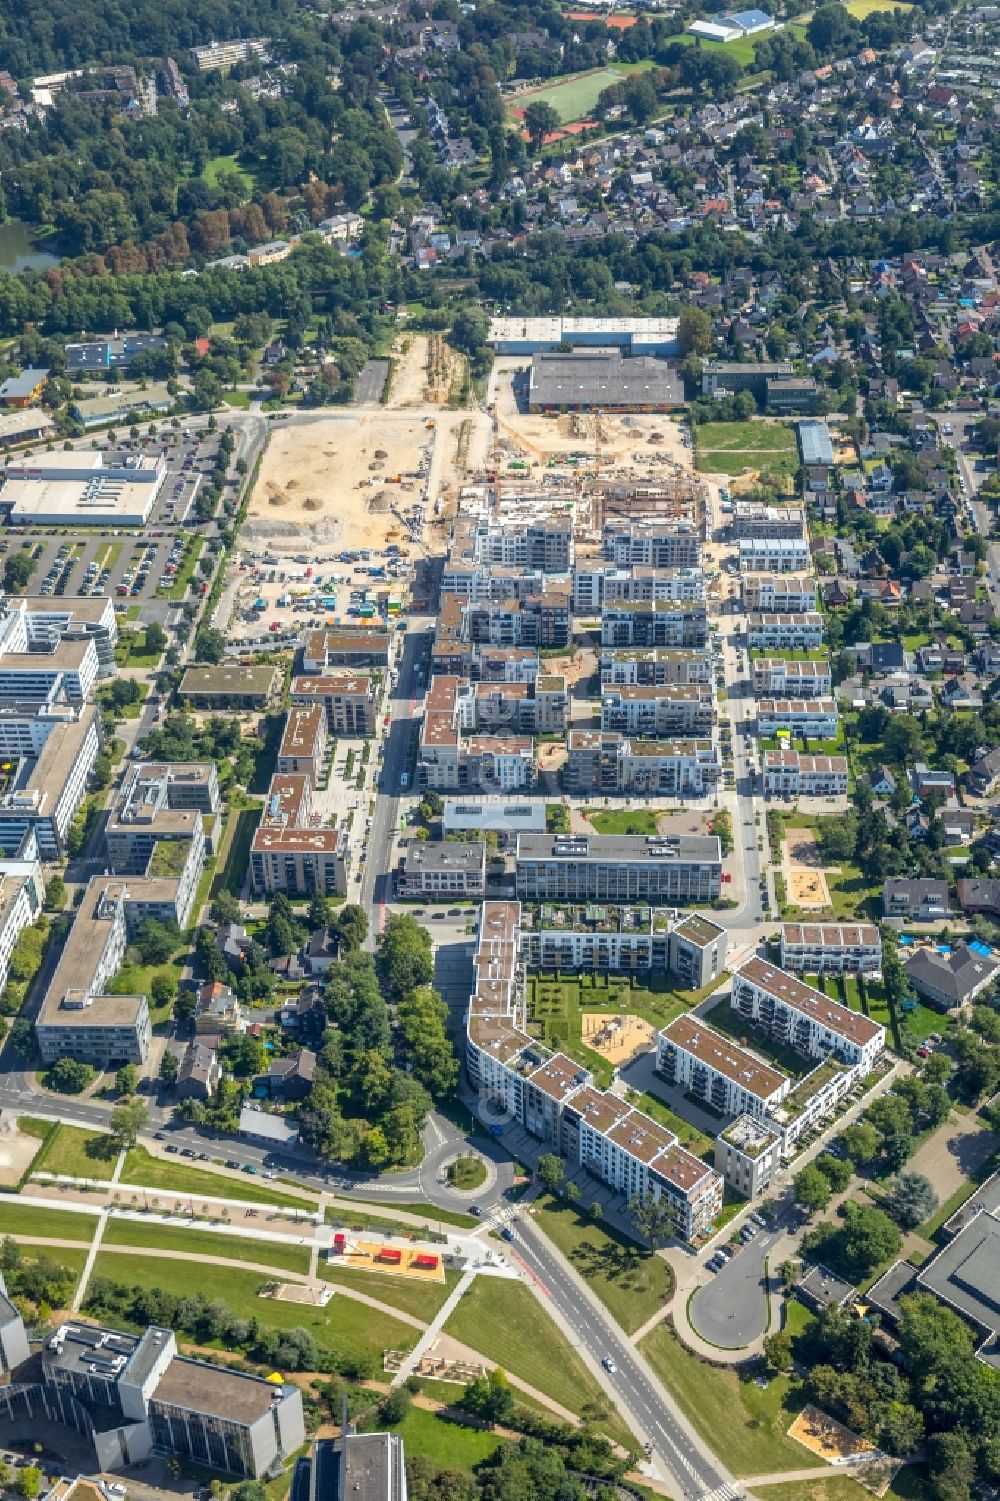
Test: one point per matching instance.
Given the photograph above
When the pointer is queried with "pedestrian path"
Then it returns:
(442, 1316)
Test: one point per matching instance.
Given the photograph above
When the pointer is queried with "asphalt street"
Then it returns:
(675, 1452)
(731, 1309)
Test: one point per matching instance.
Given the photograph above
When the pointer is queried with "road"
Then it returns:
(676, 1452)
(958, 440)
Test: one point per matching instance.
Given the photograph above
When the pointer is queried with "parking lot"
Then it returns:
(279, 596)
(134, 568)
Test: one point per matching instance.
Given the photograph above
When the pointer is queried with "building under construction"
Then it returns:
(601, 379)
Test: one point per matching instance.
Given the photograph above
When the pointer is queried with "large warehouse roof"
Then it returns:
(602, 378)
(815, 443)
(552, 331)
(59, 487)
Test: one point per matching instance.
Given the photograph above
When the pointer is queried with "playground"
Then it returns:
(384, 1256)
(616, 1038)
(805, 878)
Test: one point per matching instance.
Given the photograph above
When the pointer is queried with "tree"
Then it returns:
(655, 1218)
(952, 1466)
(351, 926)
(127, 1079)
(209, 645)
(778, 1351)
(55, 894)
(837, 1171)
(157, 941)
(22, 1036)
(156, 637)
(17, 570)
(127, 1120)
(551, 1171)
(869, 1237)
(101, 773)
(811, 1188)
(489, 1397)
(911, 1199)
(69, 1076)
(861, 1142)
(828, 26)
(540, 120)
(694, 332)
(405, 956)
(29, 1482)
(891, 1118)
(162, 989)
(224, 908)
(169, 1066)
(5, 1474)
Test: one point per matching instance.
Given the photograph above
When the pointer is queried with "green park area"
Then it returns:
(154, 1172)
(33, 1222)
(449, 1444)
(342, 1326)
(421, 1300)
(621, 821)
(573, 97)
(197, 1243)
(733, 447)
(505, 1322)
(217, 165)
(632, 1284)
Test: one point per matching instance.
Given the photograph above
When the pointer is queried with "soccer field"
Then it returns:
(571, 98)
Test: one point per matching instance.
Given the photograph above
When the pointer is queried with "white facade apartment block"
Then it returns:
(831, 948)
(816, 719)
(674, 708)
(788, 593)
(799, 631)
(792, 1012)
(717, 1072)
(19, 906)
(774, 555)
(790, 773)
(781, 677)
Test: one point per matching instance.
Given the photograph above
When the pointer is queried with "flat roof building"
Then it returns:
(964, 1275)
(683, 870)
(602, 380)
(230, 687)
(790, 1011)
(633, 335)
(815, 443)
(55, 489)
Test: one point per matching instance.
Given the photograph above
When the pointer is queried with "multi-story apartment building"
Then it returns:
(774, 555)
(646, 542)
(625, 940)
(792, 1012)
(217, 55)
(752, 519)
(47, 791)
(682, 871)
(449, 760)
(544, 545)
(831, 948)
(535, 708)
(784, 677)
(781, 593)
(228, 687)
(788, 773)
(77, 1018)
(304, 739)
(729, 1079)
(323, 650)
(599, 588)
(543, 620)
(654, 665)
(605, 761)
(439, 871)
(554, 1098)
(655, 623)
(349, 698)
(148, 835)
(289, 853)
(480, 583)
(748, 1155)
(130, 1396)
(783, 632)
(816, 718)
(672, 709)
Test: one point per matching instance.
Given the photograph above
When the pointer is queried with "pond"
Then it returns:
(19, 252)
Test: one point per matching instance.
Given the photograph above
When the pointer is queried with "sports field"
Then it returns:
(572, 98)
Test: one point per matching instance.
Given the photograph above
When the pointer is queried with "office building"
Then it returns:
(831, 948)
(682, 871)
(792, 1012)
(47, 789)
(14, 1350)
(48, 620)
(322, 650)
(502, 816)
(21, 897)
(437, 872)
(354, 1467)
(151, 834)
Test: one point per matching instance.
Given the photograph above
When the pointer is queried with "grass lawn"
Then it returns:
(217, 164)
(341, 1325)
(689, 1136)
(137, 979)
(639, 822)
(234, 857)
(505, 1322)
(153, 1172)
(206, 1243)
(236, 398)
(743, 1424)
(419, 1299)
(631, 1285)
(731, 447)
(556, 1005)
(182, 578)
(859, 9)
(73, 1258)
(374, 1213)
(467, 1172)
(910, 1482)
(572, 98)
(25, 1220)
(450, 1445)
(78, 1153)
